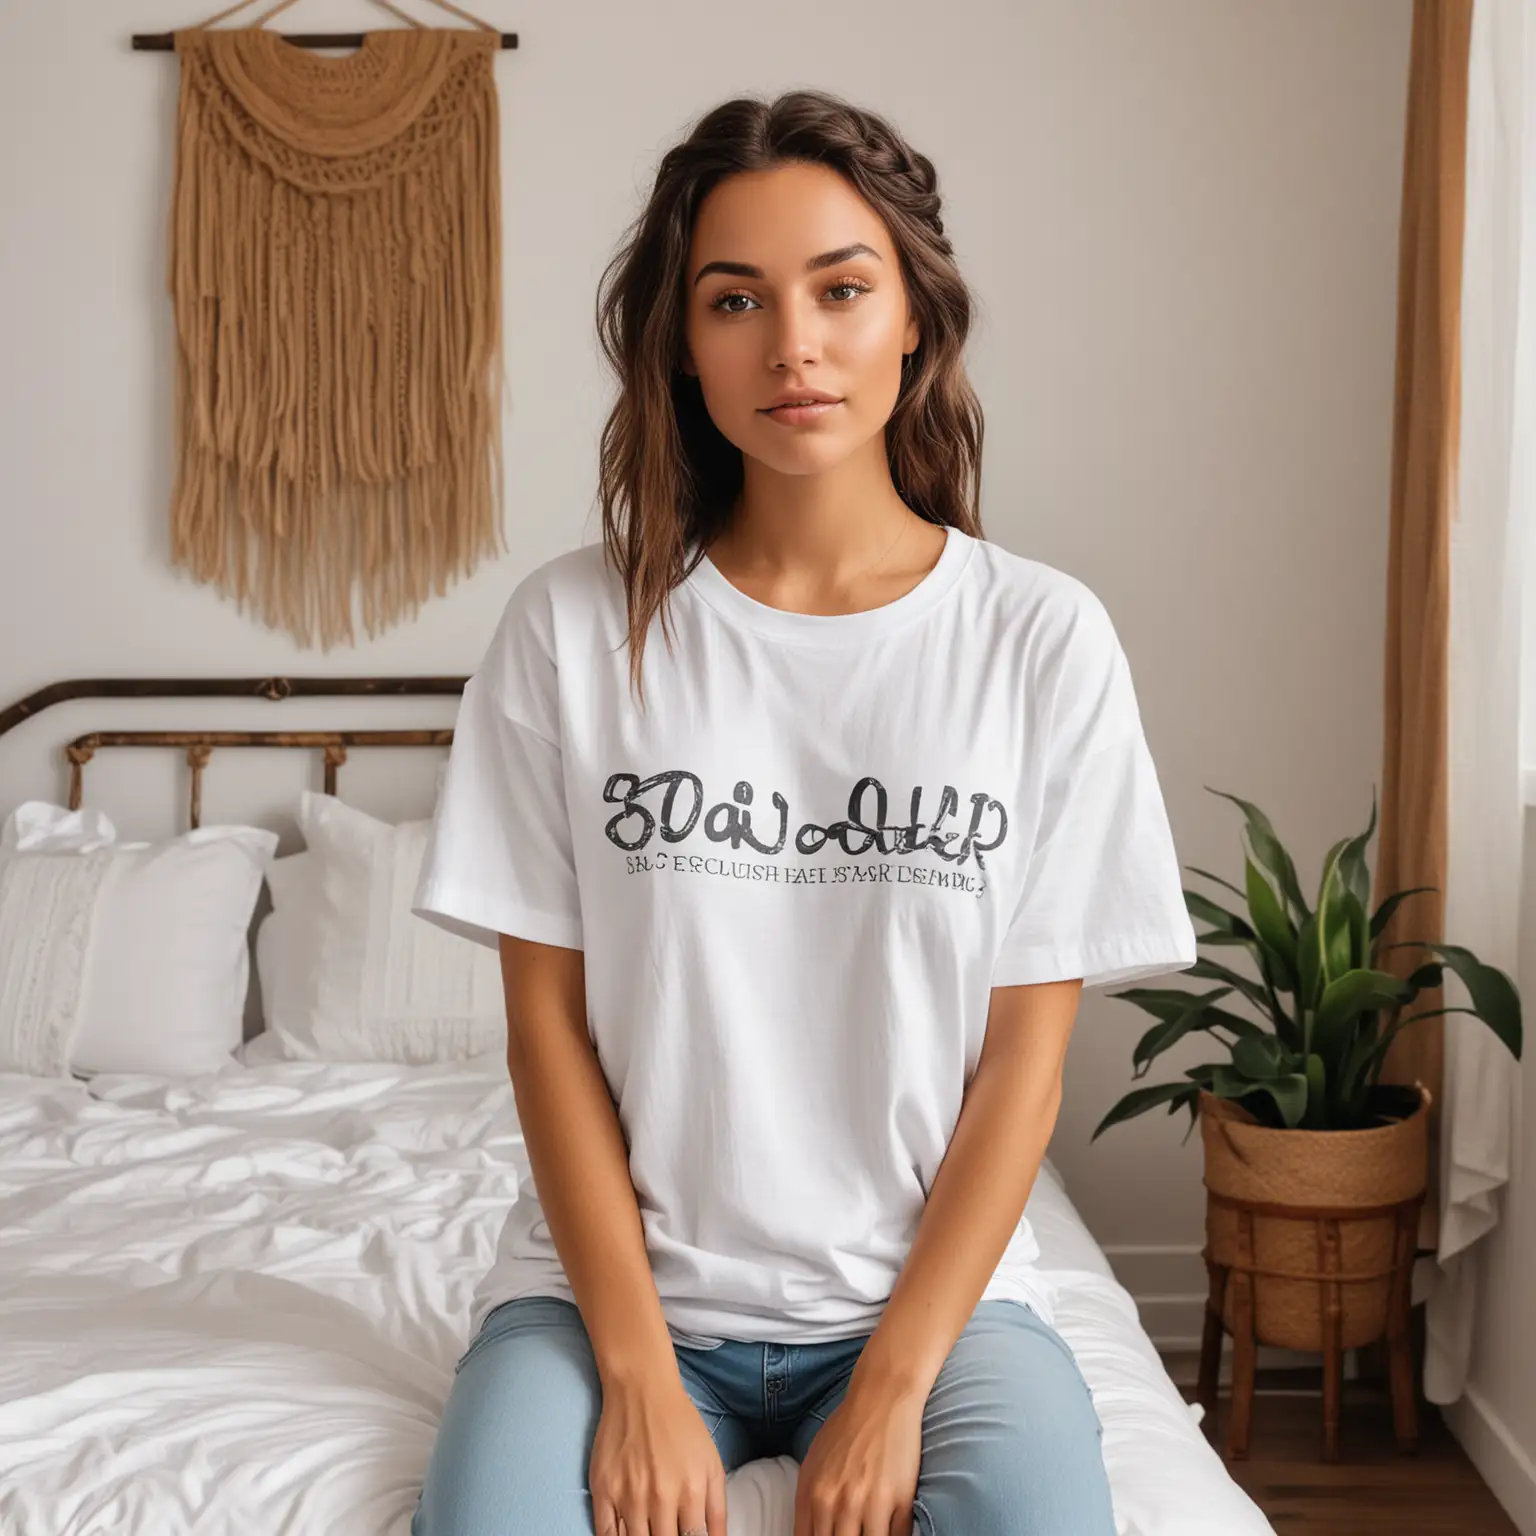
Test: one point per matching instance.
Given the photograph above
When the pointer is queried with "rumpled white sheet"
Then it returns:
(234, 1303)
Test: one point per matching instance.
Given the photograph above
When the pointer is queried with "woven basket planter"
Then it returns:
(1310, 1239)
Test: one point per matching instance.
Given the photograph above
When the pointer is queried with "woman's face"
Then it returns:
(768, 313)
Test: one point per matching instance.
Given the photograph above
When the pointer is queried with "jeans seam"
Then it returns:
(920, 1512)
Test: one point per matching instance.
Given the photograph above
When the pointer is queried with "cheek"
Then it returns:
(871, 339)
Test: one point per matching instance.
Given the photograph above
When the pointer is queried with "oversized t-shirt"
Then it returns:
(795, 877)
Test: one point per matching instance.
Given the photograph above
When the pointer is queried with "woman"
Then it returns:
(794, 907)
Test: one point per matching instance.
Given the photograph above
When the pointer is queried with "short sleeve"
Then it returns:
(1102, 897)
(499, 857)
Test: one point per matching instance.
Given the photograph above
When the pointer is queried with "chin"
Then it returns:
(812, 459)
(797, 453)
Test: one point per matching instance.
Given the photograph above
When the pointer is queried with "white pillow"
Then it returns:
(348, 972)
(123, 957)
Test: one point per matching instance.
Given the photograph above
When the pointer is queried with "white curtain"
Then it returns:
(1489, 561)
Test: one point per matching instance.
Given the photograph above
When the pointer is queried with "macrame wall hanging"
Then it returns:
(335, 270)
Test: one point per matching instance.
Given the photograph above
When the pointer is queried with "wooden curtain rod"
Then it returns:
(165, 42)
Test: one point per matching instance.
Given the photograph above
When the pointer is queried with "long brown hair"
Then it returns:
(668, 476)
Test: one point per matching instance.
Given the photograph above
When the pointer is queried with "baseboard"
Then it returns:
(1497, 1455)
(1168, 1283)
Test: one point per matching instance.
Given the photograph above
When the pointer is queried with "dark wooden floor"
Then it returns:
(1371, 1488)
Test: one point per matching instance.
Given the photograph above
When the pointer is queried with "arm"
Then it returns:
(979, 1192)
(580, 1161)
(653, 1461)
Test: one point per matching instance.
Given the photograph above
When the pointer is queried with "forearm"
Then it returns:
(580, 1167)
(973, 1209)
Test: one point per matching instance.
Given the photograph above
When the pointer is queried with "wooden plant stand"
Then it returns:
(1241, 1277)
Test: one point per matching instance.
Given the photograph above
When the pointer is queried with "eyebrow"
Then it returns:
(826, 259)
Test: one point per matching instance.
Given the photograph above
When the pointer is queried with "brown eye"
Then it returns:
(852, 285)
(718, 302)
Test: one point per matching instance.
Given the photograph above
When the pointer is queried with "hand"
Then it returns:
(654, 1465)
(860, 1475)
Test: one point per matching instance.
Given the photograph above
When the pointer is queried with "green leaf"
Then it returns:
(1332, 926)
(1352, 994)
(1316, 1111)
(1239, 1026)
(1353, 871)
(1217, 916)
(1138, 1101)
(1288, 1092)
(1494, 998)
(1272, 925)
(1217, 878)
(1259, 1056)
(1290, 1096)
(1308, 963)
(1358, 928)
(1390, 905)
(1269, 850)
(1211, 970)
(1168, 1002)
(1197, 1014)
(1352, 1080)
(1378, 1053)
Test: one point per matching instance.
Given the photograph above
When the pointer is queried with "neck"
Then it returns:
(816, 529)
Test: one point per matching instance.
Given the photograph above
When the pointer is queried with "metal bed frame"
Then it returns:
(199, 746)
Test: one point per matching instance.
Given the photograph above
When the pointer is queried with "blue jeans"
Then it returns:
(1011, 1440)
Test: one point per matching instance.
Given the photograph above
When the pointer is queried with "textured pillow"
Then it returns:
(348, 973)
(123, 957)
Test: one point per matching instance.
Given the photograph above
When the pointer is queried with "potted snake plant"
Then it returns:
(1294, 1118)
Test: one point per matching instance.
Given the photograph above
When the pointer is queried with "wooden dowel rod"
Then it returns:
(165, 42)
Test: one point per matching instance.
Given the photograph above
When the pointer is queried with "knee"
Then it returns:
(1012, 1442)
(516, 1432)
(1061, 1491)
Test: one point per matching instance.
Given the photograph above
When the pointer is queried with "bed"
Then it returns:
(233, 1301)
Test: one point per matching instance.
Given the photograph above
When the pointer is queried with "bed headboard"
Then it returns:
(200, 745)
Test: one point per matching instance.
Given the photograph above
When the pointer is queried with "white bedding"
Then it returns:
(234, 1303)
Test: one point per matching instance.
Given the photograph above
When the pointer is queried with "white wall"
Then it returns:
(1181, 222)
(1496, 1418)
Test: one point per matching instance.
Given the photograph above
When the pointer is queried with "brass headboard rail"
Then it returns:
(200, 745)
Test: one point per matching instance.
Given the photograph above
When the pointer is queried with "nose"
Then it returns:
(795, 338)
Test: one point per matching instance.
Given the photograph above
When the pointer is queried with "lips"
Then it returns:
(796, 413)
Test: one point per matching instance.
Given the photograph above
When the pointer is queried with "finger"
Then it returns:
(605, 1518)
(693, 1512)
(850, 1523)
(901, 1521)
(714, 1504)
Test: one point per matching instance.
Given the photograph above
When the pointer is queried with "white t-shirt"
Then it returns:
(795, 878)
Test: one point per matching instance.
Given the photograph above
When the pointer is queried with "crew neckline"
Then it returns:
(710, 585)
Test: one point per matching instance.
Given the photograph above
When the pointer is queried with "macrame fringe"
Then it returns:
(339, 367)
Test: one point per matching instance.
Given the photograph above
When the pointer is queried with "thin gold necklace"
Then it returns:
(886, 556)
(883, 558)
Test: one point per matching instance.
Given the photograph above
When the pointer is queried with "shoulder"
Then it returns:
(570, 581)
(1060, 641)
(1052, 616)
(573, 589)
(545, 616)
